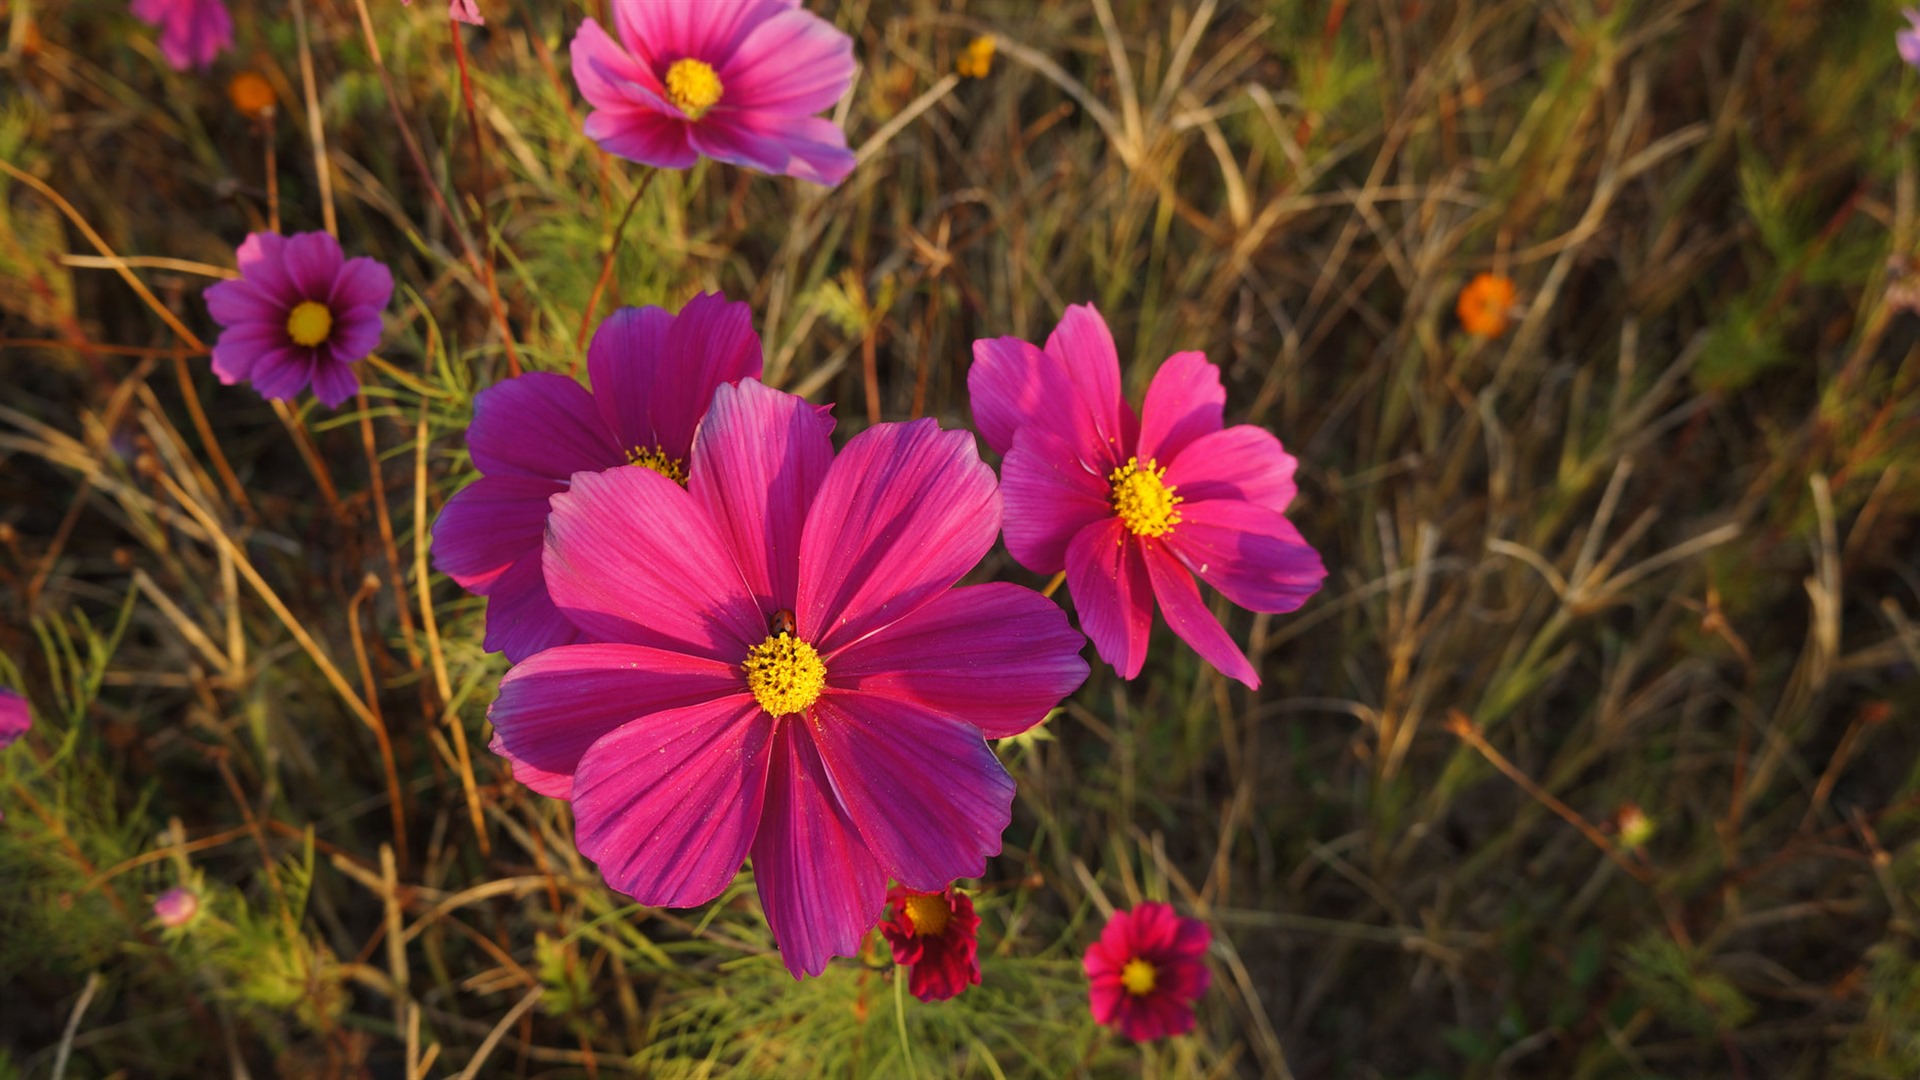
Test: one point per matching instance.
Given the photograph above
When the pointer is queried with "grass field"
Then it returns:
(1593, 758)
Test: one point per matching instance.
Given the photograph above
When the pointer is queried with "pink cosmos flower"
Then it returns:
(15, 717)
(653, 374)
(938, 934)
(1147, 970)
(176, 907)
(192, 32)
(787, 670)
(1131, 507)
(1908, 40)
(298, 313)
(466, 11)
(736, 80)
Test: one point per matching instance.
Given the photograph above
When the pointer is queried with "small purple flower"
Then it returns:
(299, 313)
(15, 718)
(176, 907)
(1908, 40)
(192, 32)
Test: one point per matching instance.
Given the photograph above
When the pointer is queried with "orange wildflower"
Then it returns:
(1486, 305)
(251, 94)
(977, 60)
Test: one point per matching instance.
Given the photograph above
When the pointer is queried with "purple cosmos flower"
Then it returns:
(15, 717)
(176, 907)
(299, 313)
(736, 80)
(653, 375)
(192, 32)
(1131, 507)
(466, 11)
(1908, 40)
(788, 671)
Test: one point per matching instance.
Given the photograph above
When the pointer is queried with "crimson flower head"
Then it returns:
(938, 934)
(653, 374)
(300, 312)
(1147, 970)
(738, 81)
(1133, 506)
(784, 669)
(192, 32)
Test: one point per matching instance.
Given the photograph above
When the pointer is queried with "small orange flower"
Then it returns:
(977, 60)
(251, 94)
(1486, 305)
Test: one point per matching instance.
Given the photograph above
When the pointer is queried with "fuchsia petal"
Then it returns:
(313, 260)
(1107, 578)
(539, 424)
(810, 148)
(556, 704)
(642, 136)
(605, 70)
(241, 347)
(905, 510)
(362, 282)
(794, 62)
(1184, 402)
(625, 359)
(354, 336)
(1254, 556)
(711, 343)
(631, 556)
(1050, 494)
(1243, 462)
(282, 373)
(334, 383)
(660, 33)
(1071, 389)
(761, 457)
(489, 525)
(821, 888)
(667, 805)
(262, 258)
(521, 618)
(1084, 346)
(1183, 609)
(239, 301)
(995, 656)
(925, 792)
(15, 717)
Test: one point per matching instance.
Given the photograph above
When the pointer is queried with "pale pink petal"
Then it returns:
(905, 510)
(1243, 462)
(521, 618)
(631, 556)
(1254, 556)
(1184, 402)
(795, 63)
(313, 260)
(489, 525)
(1183, 609)
(334, 383)
(1050, 494)
(539, 424)
(761, 457)
(820, 887)
(1107, 578)
(996, 656)
(662, 31)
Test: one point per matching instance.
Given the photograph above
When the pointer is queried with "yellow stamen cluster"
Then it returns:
(977, 60)
(657, 459)
(1137, 977)
(927, 914)
(1143, 498)
(309, 323)
(785, 674)
(693, 87)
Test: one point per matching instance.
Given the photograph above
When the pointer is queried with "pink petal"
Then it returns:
(668, 804)
(362, 282)
(926, 793)
(333, 382)
(539, 424)
(1084, 345)
(605, 70)
(241, 347)
(313, 259)
(631, 556)
(905, 510)
(625, 359)
(521, 617)
(1071, 388)
(489, 525)
(282, 373)
(262, 258)
(466, 11)
(643, 136)
(795, 63)
(995, 656)
(1243, 462)
(1254, 556)
(1105, 997)
(654, 373)
(1184, 402)
(820, 887)
(15, 717)
(1050, 494)
(660, 33)
(241, 301)
(629, 118)
(355, 333)
(761, 458)
(1107, 578)
(1180, 603)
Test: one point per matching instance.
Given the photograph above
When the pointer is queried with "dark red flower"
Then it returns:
(1147, 970)
(938, 934)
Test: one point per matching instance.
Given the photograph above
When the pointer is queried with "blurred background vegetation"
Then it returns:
(1595, 757)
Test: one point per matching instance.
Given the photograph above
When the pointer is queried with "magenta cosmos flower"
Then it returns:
(939, 934)
(1147, 970)
(653, 374)
(192, 32)
(786, 670)
(466, 11)
(1131, 507)
(15, 717)
(299, 313)
(736, 80)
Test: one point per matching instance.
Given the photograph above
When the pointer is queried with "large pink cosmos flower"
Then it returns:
(653, 374)
(787, 670)
(299, 313)
(736, 80)
(1147, 970)
(192, 32)
(1132, 506)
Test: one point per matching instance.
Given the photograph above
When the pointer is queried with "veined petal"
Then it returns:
(1254, 556)
(1071, 388)
(521, 618)
(333, 381)
(1084, 346)
(810, 148)
(1183, 609)
(262, 257)
(794, 62)
(995, 656)
(539, 424)
(1243, 462)
(604, 69)
(313, 259)
(1184, 402)
(239, 301)
(282, 373)
(660, 33)
(362, 282)
(668, 804)
(489, 525)
(1107, 578)
(710, 344)
(642, 135)
(1050, 494)
(624, 362)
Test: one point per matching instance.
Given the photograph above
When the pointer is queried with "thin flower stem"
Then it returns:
(606, 268)
(900, 1018)
(1053, 584)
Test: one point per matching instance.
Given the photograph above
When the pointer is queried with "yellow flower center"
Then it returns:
(1143, 498)
(692, 86)
(785, 674)
(657, 459)
(1137, 977)
(927, 913)
(309, 323)
(977, 60)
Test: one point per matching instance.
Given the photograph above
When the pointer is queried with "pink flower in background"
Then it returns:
(939, 934)
(15, 717)
(176, 907)
(653, 374)
(299, 313)
(736, 80)
(1908, 40)
(466, 11)
(192, 32)
(1147, 970)
(787, 670)
(1132, 507)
